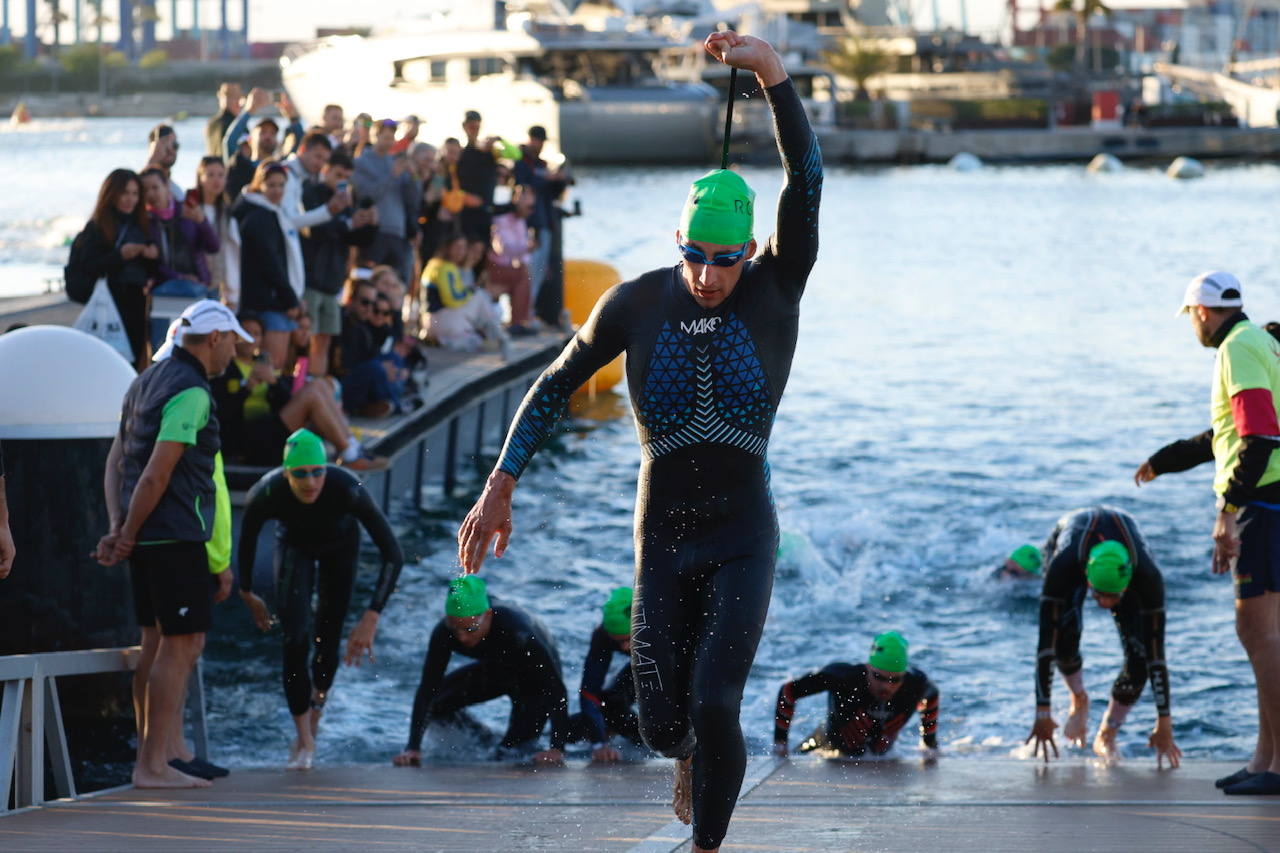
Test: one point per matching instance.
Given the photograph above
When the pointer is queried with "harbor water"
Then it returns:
(978, 354)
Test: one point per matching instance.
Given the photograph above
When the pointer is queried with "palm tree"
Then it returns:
(1083, 11)
(57, 18)
(858, 60)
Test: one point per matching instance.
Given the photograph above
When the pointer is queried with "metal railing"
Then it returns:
(31, 718)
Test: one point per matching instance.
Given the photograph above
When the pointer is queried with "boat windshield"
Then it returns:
(567, 70)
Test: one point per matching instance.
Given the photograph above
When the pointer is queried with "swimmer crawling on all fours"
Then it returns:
(709, 344)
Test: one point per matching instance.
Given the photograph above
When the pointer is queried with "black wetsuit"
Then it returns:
(517, 659)
(856, 720)
(705, 386)
(317, 551)
(605, 710)
(1139, 616)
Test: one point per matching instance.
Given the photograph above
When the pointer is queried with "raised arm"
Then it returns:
(600, 340)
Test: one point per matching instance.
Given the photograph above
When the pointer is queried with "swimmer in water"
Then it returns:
(608, 710)
(318, 509)
(1023, 564)
(709, 344)
(1100, 552)
(867, 703)
(515, 656)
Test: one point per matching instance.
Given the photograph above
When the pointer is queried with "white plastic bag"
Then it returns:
(101, 319)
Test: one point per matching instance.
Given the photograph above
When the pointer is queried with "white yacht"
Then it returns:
(597, 91)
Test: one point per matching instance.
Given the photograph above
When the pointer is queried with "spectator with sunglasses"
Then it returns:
(319, 509)
(867, 704)
(515, 656)
(1100, 552)
(372, 382)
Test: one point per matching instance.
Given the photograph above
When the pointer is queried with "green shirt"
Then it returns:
(1248, 357)
(184, 416)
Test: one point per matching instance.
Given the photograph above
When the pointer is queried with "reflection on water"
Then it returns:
(979, 353)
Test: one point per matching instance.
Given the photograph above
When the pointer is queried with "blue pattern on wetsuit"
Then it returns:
(706, 393)
(546, 406)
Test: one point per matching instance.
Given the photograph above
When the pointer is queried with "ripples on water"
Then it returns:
(979, 353)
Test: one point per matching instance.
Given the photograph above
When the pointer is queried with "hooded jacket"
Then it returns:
(268, 255)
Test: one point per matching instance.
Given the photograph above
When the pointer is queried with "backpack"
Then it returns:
(76, 278)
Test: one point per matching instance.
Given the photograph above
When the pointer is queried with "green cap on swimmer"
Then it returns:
(889, 652)
(468, 596)
(617, 612)
(1109, 569)
(720, 210)
(1027, 557)
(303, 449)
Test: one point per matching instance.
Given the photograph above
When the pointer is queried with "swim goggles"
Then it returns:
(304, 473)
(694, 255)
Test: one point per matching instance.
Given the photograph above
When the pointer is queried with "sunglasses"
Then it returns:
(305, 473)
(886, 679)
(694, 255)
(367, 302)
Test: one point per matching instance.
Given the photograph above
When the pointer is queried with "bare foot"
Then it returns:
(1104, 745)
(1077, 727)
(301, 755)
(682, 795)
(168, 778)
(408, 758)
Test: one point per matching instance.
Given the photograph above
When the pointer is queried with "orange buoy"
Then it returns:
(584, 283)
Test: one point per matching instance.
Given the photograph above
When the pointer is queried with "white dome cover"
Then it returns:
(57, 382)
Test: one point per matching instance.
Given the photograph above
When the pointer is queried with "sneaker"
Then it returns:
(520, 331)
(367, 462)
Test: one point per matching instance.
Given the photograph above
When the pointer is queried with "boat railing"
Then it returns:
(31, 718)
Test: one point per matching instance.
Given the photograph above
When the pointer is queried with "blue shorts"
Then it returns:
(276, 321)
(1257, 569)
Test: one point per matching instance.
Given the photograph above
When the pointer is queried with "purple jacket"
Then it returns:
(197, 239)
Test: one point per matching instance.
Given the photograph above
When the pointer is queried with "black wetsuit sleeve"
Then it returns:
(1055, 596)
(439, 650)
(542, 661)
(363, 508)
(798, 688)
(257, 509)
(927, 707)
(1151, 600)
(1255, 454)
(795, 242)
(600, 340)
(594, 671)
(1183, 455)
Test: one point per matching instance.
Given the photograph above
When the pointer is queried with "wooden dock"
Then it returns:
(957, 805)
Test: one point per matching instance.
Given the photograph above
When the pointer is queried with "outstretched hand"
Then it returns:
(1162, 742)
(489, 518)
(748, 53)
(1042, 732)
(1145, 474)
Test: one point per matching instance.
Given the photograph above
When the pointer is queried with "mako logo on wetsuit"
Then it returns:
(701, 326)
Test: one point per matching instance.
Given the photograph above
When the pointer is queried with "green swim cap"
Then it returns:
(304, 449)
(720, 209)
(468, 597)
(889, 652)
(617, 611)
(1027, 557)
(1109, 569)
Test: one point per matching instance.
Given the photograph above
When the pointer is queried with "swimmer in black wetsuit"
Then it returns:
(1099, 551)
(607, 710)
(515, 656)
(868, 704)
(709, 344)
(317, 507)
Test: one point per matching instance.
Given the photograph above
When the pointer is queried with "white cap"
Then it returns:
(201, 318)
(1215, 289)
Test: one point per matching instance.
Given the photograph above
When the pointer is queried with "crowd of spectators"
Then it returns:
(344, 248)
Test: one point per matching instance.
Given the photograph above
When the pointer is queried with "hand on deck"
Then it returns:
(1042, 731)
(605, 755)
(489, 518)
(408, 758)
(550, 757)
(1161, 741)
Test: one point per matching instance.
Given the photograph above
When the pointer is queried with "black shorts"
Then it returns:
(172, 586)
(1258, 567)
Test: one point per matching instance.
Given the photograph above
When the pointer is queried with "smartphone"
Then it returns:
(343, 186)
(193, 197)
